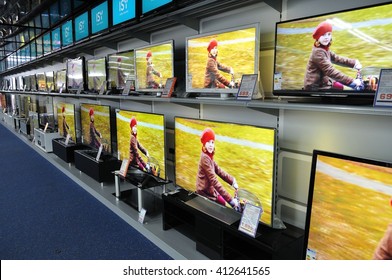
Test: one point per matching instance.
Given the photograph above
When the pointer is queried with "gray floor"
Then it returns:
(174, 243)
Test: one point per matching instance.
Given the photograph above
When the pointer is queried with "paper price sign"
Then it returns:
(383, 95)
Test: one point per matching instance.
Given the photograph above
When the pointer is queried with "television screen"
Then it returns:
(56, 39)
(75, 74)
(46, 113)
(230, 164)
(121, 67)
(81, 26)
(123, 11)
(95, 126)
(41, 81)
(49, 80)
(150, 5)
(349, 207)
(99, 18)
(141, 140)
(154, 64)
(47, 47)
(66, 120)
(33, 83)
(61, 77)
(27, 83)
(307, 63)
(96, 74)
(215, 62)
(67, 33)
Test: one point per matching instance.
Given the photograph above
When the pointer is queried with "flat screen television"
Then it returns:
(96, 126)
(245, 153)
(349, 206)
(41, 81)
(75, 74)
(61, 80)
(27, 83)
(46, 113)
(123, 11)
(96, 74)
(154, 64)
(121, 67)
(305, 67)
(216, 61)
(149, 6)
(33, 83)
(49, 80)
(149, 129)
(66, 123)
(99, 17)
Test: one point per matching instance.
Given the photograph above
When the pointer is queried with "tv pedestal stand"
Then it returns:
(66, 151)
(43, 139)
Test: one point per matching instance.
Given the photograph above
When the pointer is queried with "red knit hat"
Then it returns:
(321, 29)
(207, 135)
(133, 122)
(62, 109)
(91, 112)
(149, 54)
(213, 43)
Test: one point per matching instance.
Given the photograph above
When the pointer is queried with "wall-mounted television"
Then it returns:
(96, 126)
(121, 67)
(61, 80)
(33, 83)
(123, 11)
(96, 74)
(41, 81)
(141, 140)
(307, 64)
(149, 6)
(349, 207)
(65, 113)
(56, 38)
(99, 17)
(49, 76)
(46, 113)
(230, 164)
(81, 26)
(67, 33)
(215, 62)
(75, 74)
(154, 64)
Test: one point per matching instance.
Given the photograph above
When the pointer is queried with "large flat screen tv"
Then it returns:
(75, 74)
(96, 74)
(121, 67)
(154, 64)
(227, 163)
(46, 113)
(96, 126)
(41, 81)
(338, 54)
(49, 75)
(141, 140)
(65, 113)
(349, 207)
(61, 80)
(216, 61)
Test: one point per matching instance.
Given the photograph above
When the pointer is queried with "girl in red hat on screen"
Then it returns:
(212, 78)
(94, 133)
(64, 123)
(151, 83)
(134, 157)
(207, 183)
(320, 72)
(384, 248)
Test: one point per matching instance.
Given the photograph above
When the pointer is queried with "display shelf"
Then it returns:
(44, 139)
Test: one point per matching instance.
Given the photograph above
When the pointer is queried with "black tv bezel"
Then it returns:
(315, 155)
(330, 94)
(274, 168)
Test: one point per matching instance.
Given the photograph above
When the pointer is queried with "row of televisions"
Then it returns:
(238, 49)
(349, 202)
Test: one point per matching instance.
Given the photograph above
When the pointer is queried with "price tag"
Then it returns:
(383, 95)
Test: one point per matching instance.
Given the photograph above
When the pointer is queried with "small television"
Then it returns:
(242, 152)
(123, 11)
(49, 76)
(349, 207)
(150, 6)
(56, 38)
(75, 74)
(99, 18)
(46, 113)
(216, 61)
(27, 83)
(81, 26)
(150, 140)
(65, 113)
(96, 74)
(96, 126)
(154, 64)
(41, 81)
(33, 83)
(67, 33)
(61, 80)
(359, 40)
(121, 67)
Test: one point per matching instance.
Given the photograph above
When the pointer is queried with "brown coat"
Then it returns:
(320, 72)
(384, 248)
(134, 157)
(212, 77)
(207, 183)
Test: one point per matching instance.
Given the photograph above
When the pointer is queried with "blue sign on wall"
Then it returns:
(56, 39)
(149, 5)
(67, 33)
(123, 10)
(47, 47)
(99, 18)
(81, 26)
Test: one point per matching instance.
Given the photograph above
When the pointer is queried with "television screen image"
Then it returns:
(95, 126)
(138, 135)
(216, 61)
(33, 83)
(41, 81)
(349, 207)
(46, 113)
(154, 64)
(75, 74)
(230, 164)
(60, 81)
(96, 74)
(151, 5)
(121, 67)
(49, 80)
(307, 63)
(27, 83)
(66, 120)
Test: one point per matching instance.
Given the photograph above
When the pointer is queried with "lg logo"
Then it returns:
(123, 5)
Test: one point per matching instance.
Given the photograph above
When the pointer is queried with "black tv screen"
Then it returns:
(349, 207)
(336, 54)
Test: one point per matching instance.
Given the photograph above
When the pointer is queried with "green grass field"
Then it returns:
(69, 117)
